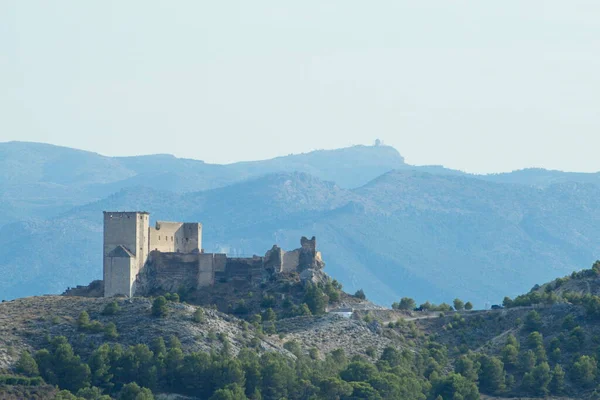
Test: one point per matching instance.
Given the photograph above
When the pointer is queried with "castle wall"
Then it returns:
(206, 269)
(164, 237)
(176, 237)
(127, 229)
(143, 221)
(191, 233)
(121, 228)
(118, 277)
(291, 260)
(171, 272)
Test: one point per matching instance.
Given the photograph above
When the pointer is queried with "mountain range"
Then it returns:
(383, 225)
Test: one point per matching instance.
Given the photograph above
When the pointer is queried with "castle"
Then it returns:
(139, 259)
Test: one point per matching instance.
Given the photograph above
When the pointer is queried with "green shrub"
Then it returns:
(159, 307)
(111, 308)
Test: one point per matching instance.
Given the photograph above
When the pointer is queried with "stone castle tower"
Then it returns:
(128, 241)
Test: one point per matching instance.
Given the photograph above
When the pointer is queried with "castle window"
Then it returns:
(159, 238)
(171, 238)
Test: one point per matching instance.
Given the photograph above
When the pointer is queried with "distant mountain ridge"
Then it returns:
(41, 180)
(405, 232)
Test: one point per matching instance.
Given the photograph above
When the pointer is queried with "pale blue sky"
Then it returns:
(481, 86)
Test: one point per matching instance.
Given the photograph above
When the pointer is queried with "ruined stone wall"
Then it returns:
(241, 269)
(291, 260)
(168, 272)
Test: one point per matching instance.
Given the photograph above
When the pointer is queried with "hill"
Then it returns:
(188, 350)
(545, 349)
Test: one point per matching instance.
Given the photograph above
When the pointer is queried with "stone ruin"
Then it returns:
(140, 260)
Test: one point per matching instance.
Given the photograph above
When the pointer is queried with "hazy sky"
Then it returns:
(476, 85)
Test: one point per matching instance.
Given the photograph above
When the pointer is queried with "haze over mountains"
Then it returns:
(385, 226)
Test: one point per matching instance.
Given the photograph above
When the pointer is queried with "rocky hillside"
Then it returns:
(26, 323)
(545, 349)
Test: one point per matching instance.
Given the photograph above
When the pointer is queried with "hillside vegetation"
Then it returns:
(543, 344)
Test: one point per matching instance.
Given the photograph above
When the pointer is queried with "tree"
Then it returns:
(360, 294)
(491, 376)
(304, 310)
(230, 392)
(533, 321)
(459, 305)
(569, 323)
(269, 315)
(362, 390)
(60, 366)
(334, 388)
(467, 368)
(100, 366)
(510, 355)
(65, 395)
(535, 340)
(576, 339)
(111, 308)
(92, 393)
(537, 381)
(557, 384)
(159, 307)
(132, 391)
(406, 303)
(315, 299)
(27, 365)
(358, 371)
(332, 291)
(199, 316)
(455, 386)
(110, 331)
(83, 321)
(174, 297)
(527, 361)
(468, 306)
(584, 371)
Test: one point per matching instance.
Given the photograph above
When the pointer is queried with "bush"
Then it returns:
(459, 305)
(533, 321)
(27, 365)
(111, 308)
(199, 316)
(110, 331)
(132, 391)
(360, 294)
(406, 303)
(174, 297)
(159, 307)
(83, 321)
